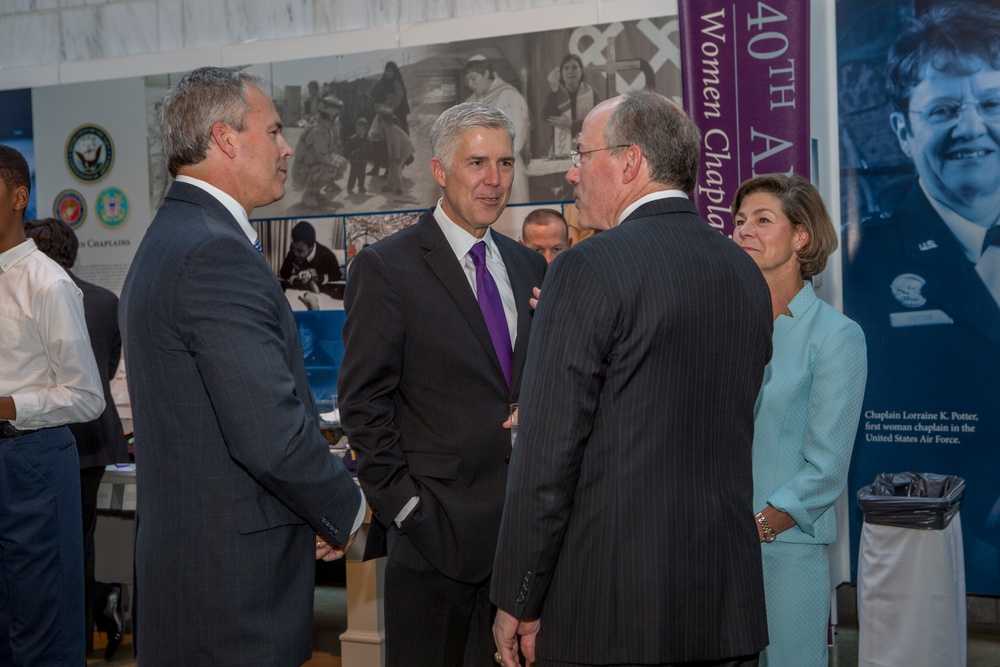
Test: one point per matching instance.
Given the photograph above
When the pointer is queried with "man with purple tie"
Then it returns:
(434, 343)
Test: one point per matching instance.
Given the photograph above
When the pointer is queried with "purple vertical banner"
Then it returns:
(745, 69)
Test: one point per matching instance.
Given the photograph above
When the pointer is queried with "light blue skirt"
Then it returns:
(797, 593)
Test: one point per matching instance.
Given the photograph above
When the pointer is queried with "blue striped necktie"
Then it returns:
(256, 244)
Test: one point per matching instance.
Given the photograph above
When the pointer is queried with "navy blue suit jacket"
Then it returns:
(234, 478)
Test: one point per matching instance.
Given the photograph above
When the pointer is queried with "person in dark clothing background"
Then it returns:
(309, 265)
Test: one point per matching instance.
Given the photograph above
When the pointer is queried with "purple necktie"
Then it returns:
(492, 307)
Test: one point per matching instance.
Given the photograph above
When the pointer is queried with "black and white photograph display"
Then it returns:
(359, 124)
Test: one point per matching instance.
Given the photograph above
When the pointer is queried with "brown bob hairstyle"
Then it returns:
(802, 205)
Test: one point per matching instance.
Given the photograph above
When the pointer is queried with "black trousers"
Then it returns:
(432, 620)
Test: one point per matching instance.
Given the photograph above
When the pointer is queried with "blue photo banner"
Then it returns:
(920, 184)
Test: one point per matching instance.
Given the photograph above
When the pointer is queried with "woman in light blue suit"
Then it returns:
(806, 415)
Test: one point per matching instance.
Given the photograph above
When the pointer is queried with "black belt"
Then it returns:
(7, 430)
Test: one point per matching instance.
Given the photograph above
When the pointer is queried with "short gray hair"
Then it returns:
(669, 139)
(451, 124)
(194, 104)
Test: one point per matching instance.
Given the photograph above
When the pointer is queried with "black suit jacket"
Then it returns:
(101, 442)
(629, 522)
(234, 479)
(422, 396)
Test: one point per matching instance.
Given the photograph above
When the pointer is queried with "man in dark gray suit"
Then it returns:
(425, 388)
(628, 534)
(234, 478)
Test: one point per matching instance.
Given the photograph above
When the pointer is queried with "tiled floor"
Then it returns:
(331, 620)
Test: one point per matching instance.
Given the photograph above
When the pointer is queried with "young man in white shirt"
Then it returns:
(50, 379)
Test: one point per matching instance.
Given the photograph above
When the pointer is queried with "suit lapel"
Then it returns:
(442, 262)
(952, 280)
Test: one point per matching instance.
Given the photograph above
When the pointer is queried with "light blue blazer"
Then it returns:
(807, 415)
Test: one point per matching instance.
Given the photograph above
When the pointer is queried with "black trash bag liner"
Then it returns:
(912, 500)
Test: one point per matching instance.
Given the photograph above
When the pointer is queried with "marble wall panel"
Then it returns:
(170, 25)
(205, 23)
(29, 39)
(108, 30)
(19, 6)
(414, 11)
(256, 20)
(337, 15)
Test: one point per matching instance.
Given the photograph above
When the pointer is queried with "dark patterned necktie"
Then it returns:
(992, 237)
(492, 307)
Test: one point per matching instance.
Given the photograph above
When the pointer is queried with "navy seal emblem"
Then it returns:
(90, 154)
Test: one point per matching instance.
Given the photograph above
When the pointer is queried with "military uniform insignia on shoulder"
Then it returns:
(929, 244)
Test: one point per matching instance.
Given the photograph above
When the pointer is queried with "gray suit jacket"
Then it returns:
(628, 526)
(234, 477)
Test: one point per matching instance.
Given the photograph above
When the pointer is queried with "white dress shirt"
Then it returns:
(461, 243)
(48, 365)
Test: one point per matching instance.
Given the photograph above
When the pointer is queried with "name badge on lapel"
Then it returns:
(919, 318)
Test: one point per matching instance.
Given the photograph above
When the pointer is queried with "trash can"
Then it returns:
(911, 572)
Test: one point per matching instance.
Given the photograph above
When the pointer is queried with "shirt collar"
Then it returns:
(11, 257)
(969, 235)
(461, 241)
(226, 200)
(652, 196)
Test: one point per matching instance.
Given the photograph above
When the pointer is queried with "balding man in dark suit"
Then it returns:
(628, 534)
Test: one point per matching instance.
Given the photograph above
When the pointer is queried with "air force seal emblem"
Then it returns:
(906, 288)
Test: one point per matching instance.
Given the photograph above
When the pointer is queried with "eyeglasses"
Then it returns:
(577, 156)
(949, 112)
